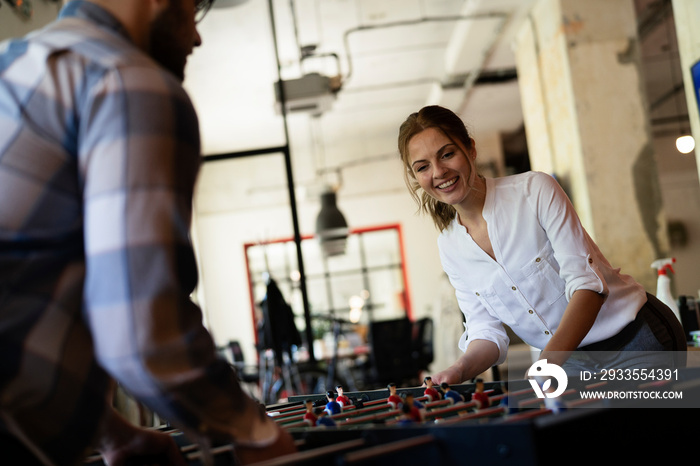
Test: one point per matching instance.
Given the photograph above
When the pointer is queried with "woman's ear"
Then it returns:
(472, 149)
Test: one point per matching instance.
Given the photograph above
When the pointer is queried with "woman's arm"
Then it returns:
(578, 318)
(480, 356)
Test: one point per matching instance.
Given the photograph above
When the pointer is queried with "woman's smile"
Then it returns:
(448, 183)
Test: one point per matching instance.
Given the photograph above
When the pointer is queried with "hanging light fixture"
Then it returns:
(331, 228)
(685, 144)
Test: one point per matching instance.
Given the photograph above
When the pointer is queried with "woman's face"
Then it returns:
(442, 168)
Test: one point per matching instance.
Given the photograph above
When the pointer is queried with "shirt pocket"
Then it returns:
(542, 282)
(491, 299)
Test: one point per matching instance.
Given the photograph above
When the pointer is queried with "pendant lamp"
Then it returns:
(331, 228)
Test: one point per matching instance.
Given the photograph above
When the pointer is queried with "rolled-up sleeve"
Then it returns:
(479, 324)
(575, 252)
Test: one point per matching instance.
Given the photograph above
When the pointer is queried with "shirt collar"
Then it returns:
(94, 13)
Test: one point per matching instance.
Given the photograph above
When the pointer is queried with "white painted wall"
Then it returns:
(14, 25)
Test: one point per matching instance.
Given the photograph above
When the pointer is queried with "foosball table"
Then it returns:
(512, 427)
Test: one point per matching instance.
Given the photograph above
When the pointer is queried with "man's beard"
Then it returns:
(164, 38)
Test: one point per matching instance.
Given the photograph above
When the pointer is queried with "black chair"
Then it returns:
(392, 356)
(245, 373)
(422, 343)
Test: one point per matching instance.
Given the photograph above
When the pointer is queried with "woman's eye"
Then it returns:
(447, 155)
(421, 168)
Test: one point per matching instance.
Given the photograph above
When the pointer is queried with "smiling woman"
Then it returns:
(516, 253)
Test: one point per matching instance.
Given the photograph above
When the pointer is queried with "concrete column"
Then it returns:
(686, 15)
(587, 123)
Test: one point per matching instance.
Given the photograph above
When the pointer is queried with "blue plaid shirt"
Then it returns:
(99, 152)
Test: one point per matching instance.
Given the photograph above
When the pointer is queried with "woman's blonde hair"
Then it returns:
(453, 127)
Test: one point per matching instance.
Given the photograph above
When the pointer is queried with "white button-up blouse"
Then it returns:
(543, 254)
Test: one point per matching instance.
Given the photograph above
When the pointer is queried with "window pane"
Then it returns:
(387, 294)
(348, 261)
(382, 247)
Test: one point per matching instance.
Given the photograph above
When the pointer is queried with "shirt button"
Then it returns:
(477, 293)
(513, 288)
(538, 259)
(531, 311)
(590, 260)
(546, 332)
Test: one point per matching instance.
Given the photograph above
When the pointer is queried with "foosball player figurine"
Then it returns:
(450, 394)
(394, 400)
(324, 420)
(332, 407)
(430, 391)
(557, 405)
(510, 405)
(310, 418)
(415, 407)
(341, 398)
(406, 416)
(479, 397)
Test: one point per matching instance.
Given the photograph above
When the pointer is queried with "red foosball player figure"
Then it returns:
(310, 418)
(479, 397)
(332, 407)
(341, 398)
(430, 391)
(412, 407)
(406, 416)
(394, 400)
(450, 394)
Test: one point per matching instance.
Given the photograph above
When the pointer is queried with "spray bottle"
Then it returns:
(663, 284)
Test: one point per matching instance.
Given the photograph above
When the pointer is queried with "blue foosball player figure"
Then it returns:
(324, 420)
(450, 394)
(332, 407)
(555, 404)
(509, 404)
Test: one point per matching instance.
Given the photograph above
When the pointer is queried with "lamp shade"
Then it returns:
(331, 228)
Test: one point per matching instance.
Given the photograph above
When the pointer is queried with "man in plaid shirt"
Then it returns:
(99, 152)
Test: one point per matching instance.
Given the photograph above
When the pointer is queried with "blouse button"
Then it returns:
(590, 260)
(538, 259)
(546, 332)
(477, 293)
(531, 311)
(513, 288)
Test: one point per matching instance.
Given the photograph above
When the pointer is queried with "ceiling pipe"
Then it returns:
(412, 22)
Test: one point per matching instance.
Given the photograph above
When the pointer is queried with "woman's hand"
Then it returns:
(452, 375)
(480, 356)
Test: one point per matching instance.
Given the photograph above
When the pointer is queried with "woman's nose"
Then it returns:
(439, 170)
